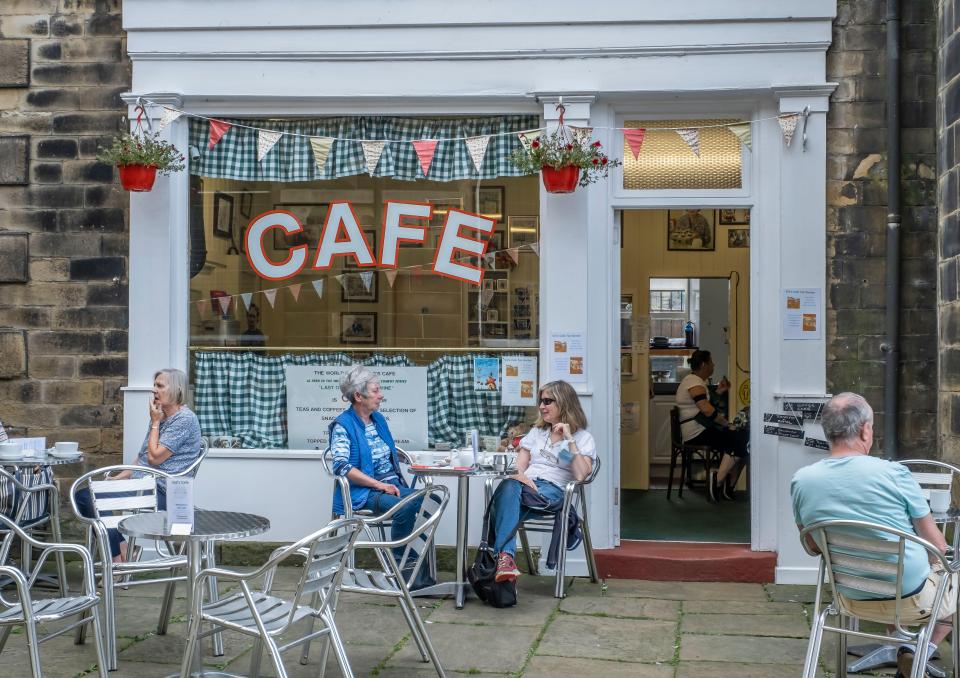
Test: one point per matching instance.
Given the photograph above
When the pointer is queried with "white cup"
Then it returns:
(939, 501)
(9, 450)
(67, 448)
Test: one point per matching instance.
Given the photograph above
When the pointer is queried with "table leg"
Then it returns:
(194, 560)
(463, 497)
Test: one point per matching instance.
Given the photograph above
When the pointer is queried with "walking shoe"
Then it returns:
(728, 491)
(904, 662)
(506, 569)
(712, 486)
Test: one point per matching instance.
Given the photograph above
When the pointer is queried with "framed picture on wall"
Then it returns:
(490, 203)
(523, 230)
(438, 217)
(246, 204)
(371, 236)
(352, 288)
(738, 237)
(222, 215)
(358, 328)
(691, 230)
(734, 217)
(310, 215)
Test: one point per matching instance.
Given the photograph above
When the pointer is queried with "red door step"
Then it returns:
(686, 561)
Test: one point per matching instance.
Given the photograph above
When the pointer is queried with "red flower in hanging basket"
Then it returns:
(140, 157)
(563, 155)
(535, 144)
(137, 177)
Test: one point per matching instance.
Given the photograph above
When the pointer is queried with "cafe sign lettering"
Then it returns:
(462, 234)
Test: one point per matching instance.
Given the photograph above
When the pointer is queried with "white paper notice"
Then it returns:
(568, 356)
(519, 380)
(802, 312)
(180, 505)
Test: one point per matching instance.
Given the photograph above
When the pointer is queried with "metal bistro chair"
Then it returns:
(265, 616)
(28, 612)
(936, 475)
(876, 553)
(686, 452)
(573, 492)
(113, 501)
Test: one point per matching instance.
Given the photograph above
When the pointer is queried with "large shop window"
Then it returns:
(249, 334)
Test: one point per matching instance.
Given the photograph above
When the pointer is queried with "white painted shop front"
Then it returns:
(611, 62)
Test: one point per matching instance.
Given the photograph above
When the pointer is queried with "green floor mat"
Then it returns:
(646, 514)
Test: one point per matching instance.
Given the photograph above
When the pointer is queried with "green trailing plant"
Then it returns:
(561, 148)
(145, 149)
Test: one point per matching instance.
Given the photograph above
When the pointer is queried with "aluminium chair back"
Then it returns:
(194, 467)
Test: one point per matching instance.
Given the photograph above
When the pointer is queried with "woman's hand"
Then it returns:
(723, 386)
(387, 488)
(564, 430)
(522, 477)
(156, 412)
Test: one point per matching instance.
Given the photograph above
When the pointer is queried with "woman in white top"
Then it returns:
(701, 423)
(557, 449)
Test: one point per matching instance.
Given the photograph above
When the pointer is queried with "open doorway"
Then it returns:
(684, 288)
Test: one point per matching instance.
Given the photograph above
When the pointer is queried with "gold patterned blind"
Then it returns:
(666, 162)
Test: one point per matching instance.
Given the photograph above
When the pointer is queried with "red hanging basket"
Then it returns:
(137, 177)
(560, 179)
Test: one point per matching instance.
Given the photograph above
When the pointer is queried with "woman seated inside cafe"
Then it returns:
(364, 452)
(172, 443)
(557, 449)
(702, 423)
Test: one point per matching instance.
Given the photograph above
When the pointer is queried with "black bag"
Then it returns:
(482, 574)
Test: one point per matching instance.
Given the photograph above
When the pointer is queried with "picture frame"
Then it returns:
(371, 236)
(490, 202)
(352, 289)
(691, 230)
(733, 217)
(523, 230)
(358, 328)
(626, 365)
(502, 284)
(438, 217)
(310, 215)
(246, 204)
(222, 215)
(490, 263)
(738, 237)
(492, 315)
(490, 284)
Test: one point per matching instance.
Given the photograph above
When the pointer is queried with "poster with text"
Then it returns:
(568, 356)
(486, 372)
(802, 313)
(519, 381)
(313, 401)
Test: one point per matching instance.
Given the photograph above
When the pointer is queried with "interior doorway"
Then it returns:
(684, 287)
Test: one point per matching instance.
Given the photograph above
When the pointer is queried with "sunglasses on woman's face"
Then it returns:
(547, 401)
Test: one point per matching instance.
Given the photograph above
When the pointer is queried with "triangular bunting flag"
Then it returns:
(367, 278)
(478, 148)
(342, 278)
(788, 125)
(321, 151)
(271, 296)
(224, 304)
(295, 291)
(514, 254)
(318, 287)
(527, 138)
(202, 306)
(425, 150)
(391, 275)
(265, 141)
(217, 129)
(247, 298)
(417, 271)
(634, 139)
(485, 297)
(691, 137)
(167, 117)
(371, 154)
(741, 130)
(536, 248)
(582, 134)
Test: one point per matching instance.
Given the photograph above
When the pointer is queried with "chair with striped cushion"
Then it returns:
(113, 501)
(935, 475)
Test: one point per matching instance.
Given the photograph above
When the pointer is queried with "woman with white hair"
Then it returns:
(171, 445)
(365, 453)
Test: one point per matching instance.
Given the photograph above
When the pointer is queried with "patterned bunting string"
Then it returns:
(318, 287)
(478, 148)
(514, 253)
(341, 279)
(371, 154)
(391, 276)
(295, 291)
(691, 137)
(485, 297)
(741, 130)
(634, 139)
(582, 134)
(536, 248)
(425, 151)
(788, 125)
(168, 116)
(527, 138)
(224, 304)
(247, 299)
(271, 297)
(202, 307)
(217, 129)
(367, 278)
(265, 141)
(321, 151)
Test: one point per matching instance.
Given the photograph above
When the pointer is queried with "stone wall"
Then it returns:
(948, 241)
(856, 214)
(63, 222)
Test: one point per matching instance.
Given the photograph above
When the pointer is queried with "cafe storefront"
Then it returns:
(376, 266)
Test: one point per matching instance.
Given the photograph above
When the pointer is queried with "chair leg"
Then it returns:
(193, 639)
(338, 649)
(305, 653)
(409, 609)
(214, 595)
(559, 587)
(256, 657)
(422, 632)
(275, 658)
(841, 669)
(98, 639)
(4, 635)
(167, 606)
(80, 635)
(684, 470)
(110, 628)
(954, 644)
(673, 465)
(527, 553)
(587, 542)
(33, 642)
(813, 647)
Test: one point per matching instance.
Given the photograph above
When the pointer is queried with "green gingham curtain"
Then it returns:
(245, 395)
(235, 155)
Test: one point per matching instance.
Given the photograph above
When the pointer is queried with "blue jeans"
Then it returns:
(507, 511)
(85, 504)
(403, 522)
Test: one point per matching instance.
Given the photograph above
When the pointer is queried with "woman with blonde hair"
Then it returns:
(557, 449)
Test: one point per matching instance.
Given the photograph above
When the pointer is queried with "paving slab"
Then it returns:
(168, 649)
(643, 608)
(735, 649)
(666, 590)
(726, 670)
(369, 624)
(550, 667)
(740, 607)
(535, 602)
(784, 625)
(634, 640)
(477, 648)
(363, 662)
(793, 593)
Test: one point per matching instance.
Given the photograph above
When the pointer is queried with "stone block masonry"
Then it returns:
(857, 178)
(63, 222)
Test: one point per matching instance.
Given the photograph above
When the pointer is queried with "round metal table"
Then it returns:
(42, 460)
(208, 527)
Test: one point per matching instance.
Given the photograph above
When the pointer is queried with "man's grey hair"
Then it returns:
(844, 416)
(355, 381)
(176, 383)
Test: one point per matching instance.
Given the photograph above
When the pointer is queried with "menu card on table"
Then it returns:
(180, 505)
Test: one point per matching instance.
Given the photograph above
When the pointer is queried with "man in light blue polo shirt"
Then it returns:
(852, 485)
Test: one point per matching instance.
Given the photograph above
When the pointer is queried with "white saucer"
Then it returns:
(11, 457)
(64, 455)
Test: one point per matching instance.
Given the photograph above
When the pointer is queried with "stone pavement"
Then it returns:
(619, 628)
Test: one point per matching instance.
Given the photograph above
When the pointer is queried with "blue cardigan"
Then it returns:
(360, 455)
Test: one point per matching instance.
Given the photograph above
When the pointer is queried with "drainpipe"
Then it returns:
(891, 346)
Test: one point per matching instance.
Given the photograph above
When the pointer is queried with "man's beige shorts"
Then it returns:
(913, 610)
